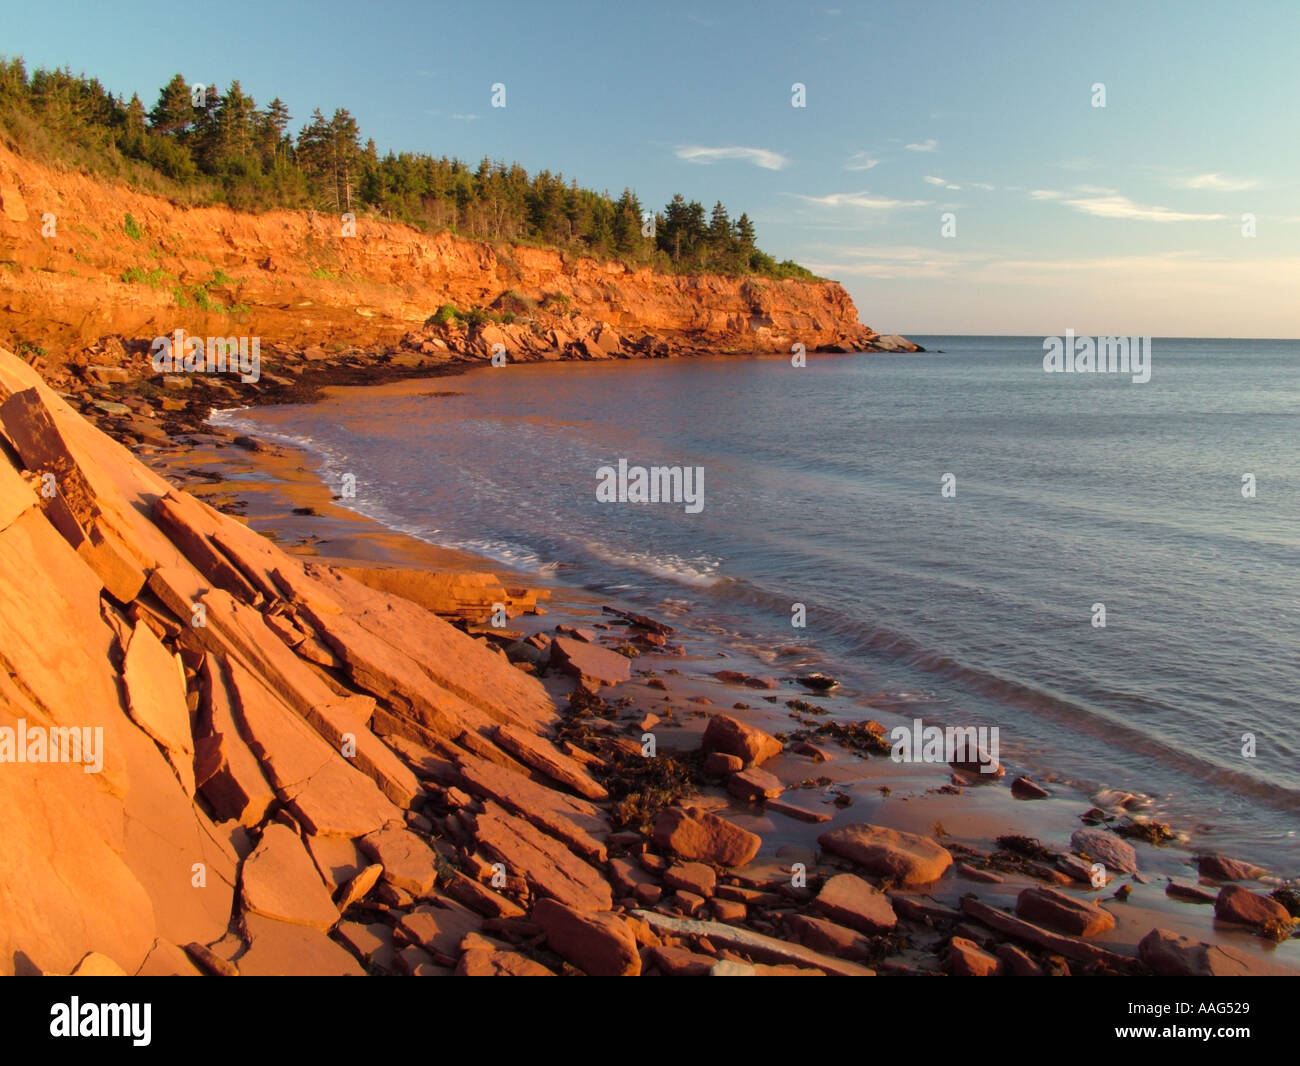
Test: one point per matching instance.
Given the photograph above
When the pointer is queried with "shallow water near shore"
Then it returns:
(822, 486)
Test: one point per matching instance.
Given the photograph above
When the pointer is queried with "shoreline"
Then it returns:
(971, 816)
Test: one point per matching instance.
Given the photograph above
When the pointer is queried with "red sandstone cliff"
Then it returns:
(292, 279)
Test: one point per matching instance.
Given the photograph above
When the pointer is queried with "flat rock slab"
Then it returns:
(226, 771)
(167, 960)
(479, 962)
(358, 887)
(1116, 854)
(599, 944)
(904, 858)
(338, 859)
(480, 898)
(1237, 904)
(1219, 868)
(1188, 893)
(678, 962)
(280, 881)
(697, 835)
(747, 942)
(545, 757)
(691, 877)
(829, 937)
(754, 785)
(281, 949)
(97, 965)
(628, 877)
(793, 810)
(549, 867)
(456, 662)
(409, 863)
(1065, 913)
(719, 763)
(851, 901)
(325, 792)
(289, 750)
(1172, 955)
(965, 958)
(440, 929)
(339, 801)
(1017, 962)
(372, 942)
(591, 664)
(345, 724)
(576, 822)
(1029, 933)
(733, 737)
(155, 686)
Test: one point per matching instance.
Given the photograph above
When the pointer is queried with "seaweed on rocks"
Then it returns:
(864, 738)
(1289, 897)
(1026, 847)
(639, 786)
(1151, 832)
(1020, 854)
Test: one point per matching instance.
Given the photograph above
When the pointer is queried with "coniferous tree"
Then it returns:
(173, 114)
(233, 127)
(745, 233)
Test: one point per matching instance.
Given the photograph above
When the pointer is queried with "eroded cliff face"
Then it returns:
(73, 271)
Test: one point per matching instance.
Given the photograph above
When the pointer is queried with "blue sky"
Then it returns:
(1123, 219)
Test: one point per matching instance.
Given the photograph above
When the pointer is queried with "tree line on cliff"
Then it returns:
(221, 147)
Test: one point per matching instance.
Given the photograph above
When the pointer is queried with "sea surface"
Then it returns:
(823, 485)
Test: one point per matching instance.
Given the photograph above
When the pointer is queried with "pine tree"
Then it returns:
(269, 134)
(233, 130)
(696, 228)
(135, 134)
(345, 152)
(673, 234)
(173, 114)
(625, 226)
(745, 236)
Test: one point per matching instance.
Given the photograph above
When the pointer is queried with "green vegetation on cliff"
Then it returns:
(213, 147)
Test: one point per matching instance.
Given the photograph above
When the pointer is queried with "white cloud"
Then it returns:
(860, 161)
(1116, 206)
(760, 157)
(1108, 203)
(925, 146)
(983, 185)
(860, 199)
(941, 181)
(463, 118)
(898, 262)
(1216, 182)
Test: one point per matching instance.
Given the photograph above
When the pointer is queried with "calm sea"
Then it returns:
(824, 485)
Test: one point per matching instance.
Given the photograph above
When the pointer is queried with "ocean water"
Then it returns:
(823, 485)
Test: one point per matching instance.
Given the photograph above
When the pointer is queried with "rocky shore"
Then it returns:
(345, 769)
